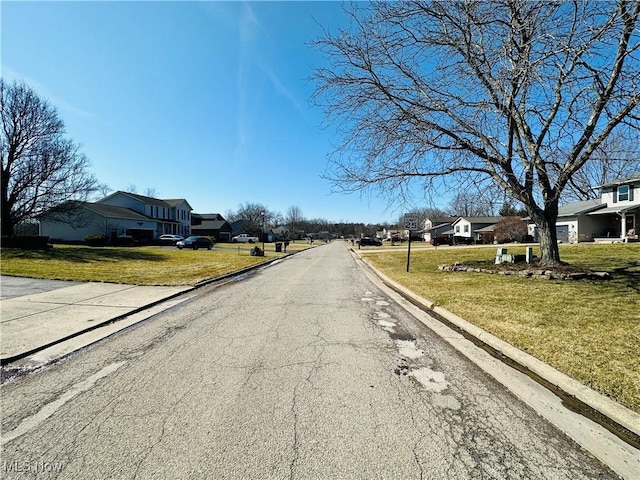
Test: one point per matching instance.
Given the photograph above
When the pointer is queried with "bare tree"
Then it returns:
(521, 93)
(102, 189)
(294, 219)
(151, 192)
(467, 205)
(256, 216)
(41, 170)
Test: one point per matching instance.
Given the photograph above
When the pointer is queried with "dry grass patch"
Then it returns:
(589, 330)
(139, 266)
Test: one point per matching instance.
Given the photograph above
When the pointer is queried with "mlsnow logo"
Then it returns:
(29, 466)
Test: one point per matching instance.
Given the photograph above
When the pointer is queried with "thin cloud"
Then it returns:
(11, 75)
(282, 89)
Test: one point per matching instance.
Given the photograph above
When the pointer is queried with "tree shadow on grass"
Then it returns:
(85, 254)
(628, 275)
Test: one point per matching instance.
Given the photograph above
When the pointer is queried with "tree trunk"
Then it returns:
(545, 220)
(5, 218)
(549, 251)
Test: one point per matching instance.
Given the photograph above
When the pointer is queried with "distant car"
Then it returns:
(441, 241)
(195, 242)
(370, 241)
(169, 239)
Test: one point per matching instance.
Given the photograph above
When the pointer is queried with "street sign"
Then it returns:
(411, 221)
(411, 224)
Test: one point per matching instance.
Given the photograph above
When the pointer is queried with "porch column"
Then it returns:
(623, 226)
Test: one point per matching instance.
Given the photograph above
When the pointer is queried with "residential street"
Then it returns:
(303, 370)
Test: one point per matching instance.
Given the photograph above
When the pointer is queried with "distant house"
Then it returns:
(120, 214)
(278, 234)
(438, 227)
(472, 229)
(615, 216)
(393, 235)
(211, 225)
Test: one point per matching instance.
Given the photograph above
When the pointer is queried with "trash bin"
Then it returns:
(278, 247)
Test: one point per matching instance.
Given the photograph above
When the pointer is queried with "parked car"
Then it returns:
(195, 242)
(167, 239)
(244, 238)
(369, 241)
(441, 241)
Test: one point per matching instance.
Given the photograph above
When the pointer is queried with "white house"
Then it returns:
(437, 227)
(122, 213)
(615, 216)
(472, 229)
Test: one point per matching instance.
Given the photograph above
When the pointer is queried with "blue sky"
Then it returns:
(208, 101)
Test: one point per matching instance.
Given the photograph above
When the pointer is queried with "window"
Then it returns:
(466, 229)
(623, 193)
(457, 228)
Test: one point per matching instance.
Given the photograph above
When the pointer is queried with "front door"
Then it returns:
(630, 223)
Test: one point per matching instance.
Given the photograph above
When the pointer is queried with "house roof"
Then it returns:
(207, 216)
(578, 208)
(173, 202)
(614, 210)
(488, 228)
(446, 220)
(631, 178)
(479, 219)
(110, 211)
(435, 227)
(211, 225)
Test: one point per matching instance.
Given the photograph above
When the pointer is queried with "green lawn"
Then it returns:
(139, 265)
(589, 330)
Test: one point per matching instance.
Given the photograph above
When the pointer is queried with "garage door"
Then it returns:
(562, 232)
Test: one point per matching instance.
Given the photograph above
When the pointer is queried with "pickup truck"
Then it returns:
(244, 238)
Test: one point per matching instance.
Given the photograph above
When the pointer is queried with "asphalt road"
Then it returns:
(303, 370)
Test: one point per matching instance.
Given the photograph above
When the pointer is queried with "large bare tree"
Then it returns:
(516, 92)
(41, 169)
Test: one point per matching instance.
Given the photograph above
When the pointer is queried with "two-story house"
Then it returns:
(615, 216)
(172, 216)
(119, 214)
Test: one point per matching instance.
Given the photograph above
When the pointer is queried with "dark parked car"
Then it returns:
(369, 241)
(195, 242)
(441, 241)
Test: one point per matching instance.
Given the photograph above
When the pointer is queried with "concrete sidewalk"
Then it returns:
(32, 322)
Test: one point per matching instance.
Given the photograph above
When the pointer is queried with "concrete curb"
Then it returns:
(616, 418)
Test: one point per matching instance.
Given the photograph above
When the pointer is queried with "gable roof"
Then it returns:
(631, 178)
(578, 208)
(211, 225)
(175, 202)
(207, 216)
(441, 220)
(110, 211)
(170, 203)
(479, 219)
